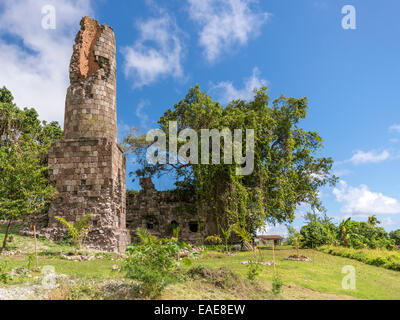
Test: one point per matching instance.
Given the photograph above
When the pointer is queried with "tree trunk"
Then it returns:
(5, 237)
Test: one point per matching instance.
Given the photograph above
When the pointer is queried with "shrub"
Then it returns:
(253, 270)
(377, 257)
(277, 284)
(360, 235)
(395, 236)
(77, 231)
(4, 274)
(153, 262)
(213, 240)
(319, 231)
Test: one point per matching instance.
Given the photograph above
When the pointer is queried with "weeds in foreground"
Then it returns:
(153, 262)
(253, 270)
(5, 276)
(78, 230)
(277, 284)
(86, 289)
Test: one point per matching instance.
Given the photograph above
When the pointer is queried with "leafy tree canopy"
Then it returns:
(319, 230)
(24, 187)
(287, 169)
(17, 124)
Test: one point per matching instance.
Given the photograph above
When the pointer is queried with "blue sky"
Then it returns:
(297, 48)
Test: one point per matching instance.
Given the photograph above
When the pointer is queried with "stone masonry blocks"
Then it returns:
(87, 167)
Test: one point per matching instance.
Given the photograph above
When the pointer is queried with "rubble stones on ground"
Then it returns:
(263, 263)
(31, 291)
(244, 247)
(186, 253)
(298, 258)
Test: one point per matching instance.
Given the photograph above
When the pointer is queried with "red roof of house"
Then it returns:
(270, 237)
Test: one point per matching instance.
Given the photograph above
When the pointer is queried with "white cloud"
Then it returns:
(226, 92)
(369, 157)
(34, 60)
(388, 223)
(360, 201)
(146, 63)
(142, 116)
(144, 121)
(225, 24)
(395, 127)
(342, 172)
(123, 130)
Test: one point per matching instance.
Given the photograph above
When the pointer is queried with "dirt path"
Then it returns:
(293, 292)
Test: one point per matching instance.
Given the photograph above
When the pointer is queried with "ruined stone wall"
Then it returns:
(87, 167)
(157, 211)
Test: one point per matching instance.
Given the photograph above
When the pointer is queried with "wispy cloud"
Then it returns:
(225, 91)
(395, 127)
(35, 60)
(342, 172)
(372, 156)
(158, 52)
(123, 130)
(142, 115)
(225, 24)
(360, 201)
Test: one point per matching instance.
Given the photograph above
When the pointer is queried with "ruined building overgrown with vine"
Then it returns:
(87, 166)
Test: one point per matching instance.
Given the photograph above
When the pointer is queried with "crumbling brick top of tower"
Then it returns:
(90, 107)
(84, 62)
(90, 33)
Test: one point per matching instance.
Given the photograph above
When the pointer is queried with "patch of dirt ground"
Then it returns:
(294, 292)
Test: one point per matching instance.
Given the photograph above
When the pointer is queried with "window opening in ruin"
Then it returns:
(194, 226)
(150, 222)
(149, 226)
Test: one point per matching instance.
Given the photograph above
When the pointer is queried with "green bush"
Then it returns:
(4, 272)
(78, 230)
(377, 257)
(319, 231)
(153, 262)
(215, 239)
(395, 236)
(277, 284)
(253, 270)
(360, 235)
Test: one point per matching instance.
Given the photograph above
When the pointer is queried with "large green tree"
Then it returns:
(15, 123)
(319, 230)
(287, 171)
(24, 187)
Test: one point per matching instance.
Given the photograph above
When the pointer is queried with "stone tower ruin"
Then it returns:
(87, 167)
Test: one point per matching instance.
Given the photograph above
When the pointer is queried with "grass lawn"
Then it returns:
(50, 255)
(323, 275)
(320, 279)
